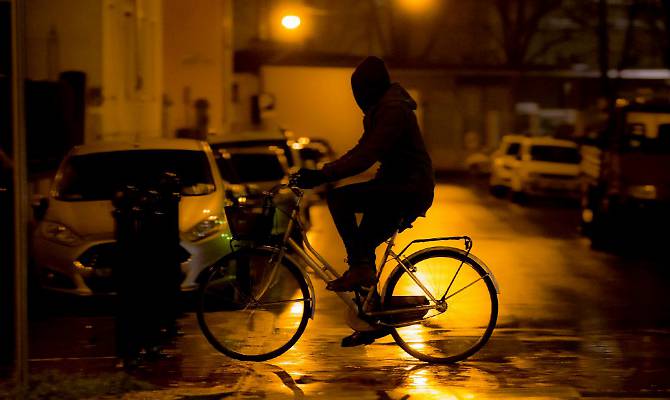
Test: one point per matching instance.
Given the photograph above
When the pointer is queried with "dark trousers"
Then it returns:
(383, 206)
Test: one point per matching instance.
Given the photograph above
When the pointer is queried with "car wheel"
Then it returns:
(498, 191)
(601, 233)
(519, 197)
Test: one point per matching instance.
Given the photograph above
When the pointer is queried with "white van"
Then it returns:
(537, 166)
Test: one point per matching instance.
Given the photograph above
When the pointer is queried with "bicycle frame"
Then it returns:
(326, 272)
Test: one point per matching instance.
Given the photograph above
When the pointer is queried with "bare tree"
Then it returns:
(666, 19)
(519, 24)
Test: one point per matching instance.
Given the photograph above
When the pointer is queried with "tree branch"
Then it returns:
(548, 45)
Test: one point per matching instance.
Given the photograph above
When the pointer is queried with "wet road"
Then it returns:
(572, 323)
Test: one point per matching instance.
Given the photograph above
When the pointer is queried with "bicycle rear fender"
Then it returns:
(454, 250)
(312, 293)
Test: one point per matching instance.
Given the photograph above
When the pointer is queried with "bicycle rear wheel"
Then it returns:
(471, 305)
(251, 308)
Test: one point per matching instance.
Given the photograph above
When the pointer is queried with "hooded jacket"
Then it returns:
(392, 137)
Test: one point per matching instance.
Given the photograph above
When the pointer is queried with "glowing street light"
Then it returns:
(417, 6)
(290, 21)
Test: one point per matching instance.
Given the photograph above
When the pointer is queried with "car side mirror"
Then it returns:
(40, 205)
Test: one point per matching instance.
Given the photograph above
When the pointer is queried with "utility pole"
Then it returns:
(227, 71)
(603, 50)
(20, 197)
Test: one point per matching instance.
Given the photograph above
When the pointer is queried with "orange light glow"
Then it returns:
(290, 21)
(416, 6)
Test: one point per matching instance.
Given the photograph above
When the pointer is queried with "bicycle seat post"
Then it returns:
(389, 246)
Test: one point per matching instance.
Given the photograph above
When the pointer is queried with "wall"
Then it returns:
(246, 85)
(193, 59)
(315, 101)
(132, 72)
(76, 41)
(117, 43)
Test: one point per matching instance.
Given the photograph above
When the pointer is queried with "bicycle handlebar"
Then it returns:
(292, 184)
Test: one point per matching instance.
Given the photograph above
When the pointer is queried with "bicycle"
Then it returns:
(439, 303)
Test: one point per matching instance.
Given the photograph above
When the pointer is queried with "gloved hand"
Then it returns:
(309, 178)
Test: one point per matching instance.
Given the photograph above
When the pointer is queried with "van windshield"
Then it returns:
(557, 154)
(98, 176)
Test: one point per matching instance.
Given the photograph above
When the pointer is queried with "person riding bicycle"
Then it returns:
(402, 189)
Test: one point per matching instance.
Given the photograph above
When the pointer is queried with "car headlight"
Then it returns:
(59, 233)
(206, 228)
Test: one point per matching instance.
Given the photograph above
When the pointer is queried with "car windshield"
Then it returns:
(557, 154)
(98, 176)
(250, 167)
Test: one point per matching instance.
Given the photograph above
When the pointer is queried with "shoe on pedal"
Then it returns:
(359, 338)
(352, 279)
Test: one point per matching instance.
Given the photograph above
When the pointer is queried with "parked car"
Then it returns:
(282, 155)
(251, 171)
(313, 153)
(626, 171)
(256, 139)
(478, 163)
(73, 245)
(537, 166)
(503, 161)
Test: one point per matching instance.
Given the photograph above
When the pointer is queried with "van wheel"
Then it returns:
(519, 197)
(601, 234)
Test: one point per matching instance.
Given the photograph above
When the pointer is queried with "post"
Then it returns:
(603, 50)
(227, 70)
(20, 197)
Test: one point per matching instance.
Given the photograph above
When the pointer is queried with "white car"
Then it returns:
(503, 161)
(536, 166)
(73, 243)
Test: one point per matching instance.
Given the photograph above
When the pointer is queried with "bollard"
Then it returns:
(148, 273)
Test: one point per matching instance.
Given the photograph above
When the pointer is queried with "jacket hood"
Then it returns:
(369, 82)
(397, 94)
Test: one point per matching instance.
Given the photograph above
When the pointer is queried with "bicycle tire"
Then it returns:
(219, 343)
(446, 253)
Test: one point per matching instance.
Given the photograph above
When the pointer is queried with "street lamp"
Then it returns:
(290, 21)
(417, 6)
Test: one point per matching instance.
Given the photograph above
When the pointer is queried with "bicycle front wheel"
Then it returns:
(252, 308)
(471, 305)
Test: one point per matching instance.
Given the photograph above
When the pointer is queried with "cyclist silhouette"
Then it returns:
(401, 191)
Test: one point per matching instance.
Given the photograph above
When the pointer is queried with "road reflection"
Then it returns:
(572, 323)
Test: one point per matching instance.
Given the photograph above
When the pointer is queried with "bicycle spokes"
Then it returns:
(460, 321)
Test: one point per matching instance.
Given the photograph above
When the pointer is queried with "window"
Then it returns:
(557, 154)
(98, 176)
(513, 149)
(250, 167)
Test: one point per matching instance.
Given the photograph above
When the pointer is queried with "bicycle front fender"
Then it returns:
(461, 252)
